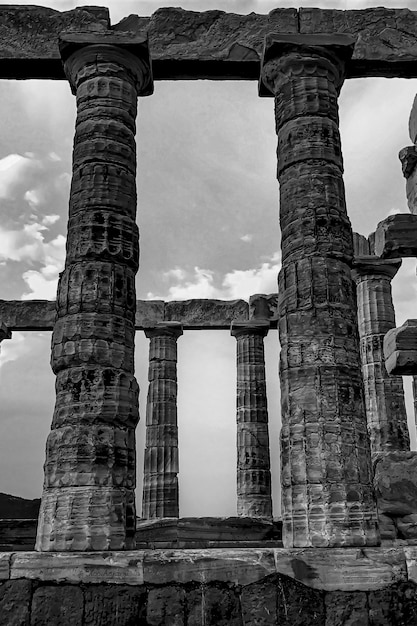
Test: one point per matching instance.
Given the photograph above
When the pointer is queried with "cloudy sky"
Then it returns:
(208, 217)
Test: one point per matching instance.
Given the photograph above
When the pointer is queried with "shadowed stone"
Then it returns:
(326, 478)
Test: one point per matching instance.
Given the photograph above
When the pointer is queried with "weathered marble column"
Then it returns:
(88, 500)
(384, 394)
(327, 495)
(253, 460)
(160, 478)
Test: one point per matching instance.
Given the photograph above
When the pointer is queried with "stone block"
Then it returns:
(241, 565)
(259, 602)
(199, 314)
(299, 605)
(114, 605)
(15, 599)
(263, 306)
(5, 565)
(166, 606)
(385, 37)
(342, 569)
(62, 604)
(395, 483)
(346, 609)
(221, 606)
(396, 236)
(29, 34)
(109, 567)
(400, 349)
(223, 42)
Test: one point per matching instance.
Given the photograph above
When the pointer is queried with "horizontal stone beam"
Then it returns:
(332, 569)
(396, 236)
(400, 350)
(192, 314)
(188, 45)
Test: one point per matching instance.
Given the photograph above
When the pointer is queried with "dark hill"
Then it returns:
(12, 507)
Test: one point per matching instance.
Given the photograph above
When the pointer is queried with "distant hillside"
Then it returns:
(12, 507)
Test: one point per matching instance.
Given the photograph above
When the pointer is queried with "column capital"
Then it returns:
(172, 329)
(130, 51)
(364, 266)
(253, 327)
(5, 333)
(289, 49)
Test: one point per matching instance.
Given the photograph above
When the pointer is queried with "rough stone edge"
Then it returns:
(238, 43)
(123, 568)
(330, 569)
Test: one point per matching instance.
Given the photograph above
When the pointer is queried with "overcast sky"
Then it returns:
(208, 218)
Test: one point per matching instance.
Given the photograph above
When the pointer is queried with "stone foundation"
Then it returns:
(242, 587)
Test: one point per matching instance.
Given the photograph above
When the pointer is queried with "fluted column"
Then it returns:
(384, 394)
(88, 500)
(327, 494)
(253, 460)
(160, 478)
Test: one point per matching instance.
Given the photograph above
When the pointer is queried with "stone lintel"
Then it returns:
(363, 266)
(277, 45)
(263, 306)
(330, 569)
(400, 350)
(173, 329)
(134, 44)
(396, 236)
(37, 315)
(253, 327)
(408, 158)
(5, 333)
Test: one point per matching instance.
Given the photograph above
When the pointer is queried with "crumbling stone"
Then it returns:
(62, 604)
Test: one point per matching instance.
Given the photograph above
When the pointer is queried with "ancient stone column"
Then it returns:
(327, 495)
(160, 478)
(253, 460)
(384, 394)
(88, 500)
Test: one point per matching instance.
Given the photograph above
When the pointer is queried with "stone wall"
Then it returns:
(238, 587)
(273, 600)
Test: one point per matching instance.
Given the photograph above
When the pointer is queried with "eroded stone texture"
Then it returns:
(57, 605)
(15, 598)
(166, 606)
(384, 394)
(386, 39)
(263, 306)
(396, 236)
(326, 476)
(29, 37)
(400, 349)
(88, 501)
(253, 461)
(408, 158)
(395, 483)
(124, 606)
(160, 477)
(195, 314)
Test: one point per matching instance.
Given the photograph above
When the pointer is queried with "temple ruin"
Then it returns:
(348, 477)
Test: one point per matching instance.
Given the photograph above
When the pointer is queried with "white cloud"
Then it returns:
(236, 284)
(43, 283)
(12, 349)
(16, 170)
(246, 238)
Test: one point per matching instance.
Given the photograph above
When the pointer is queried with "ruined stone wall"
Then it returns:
(274, 600)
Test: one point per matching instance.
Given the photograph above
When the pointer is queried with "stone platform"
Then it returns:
(238, 587)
